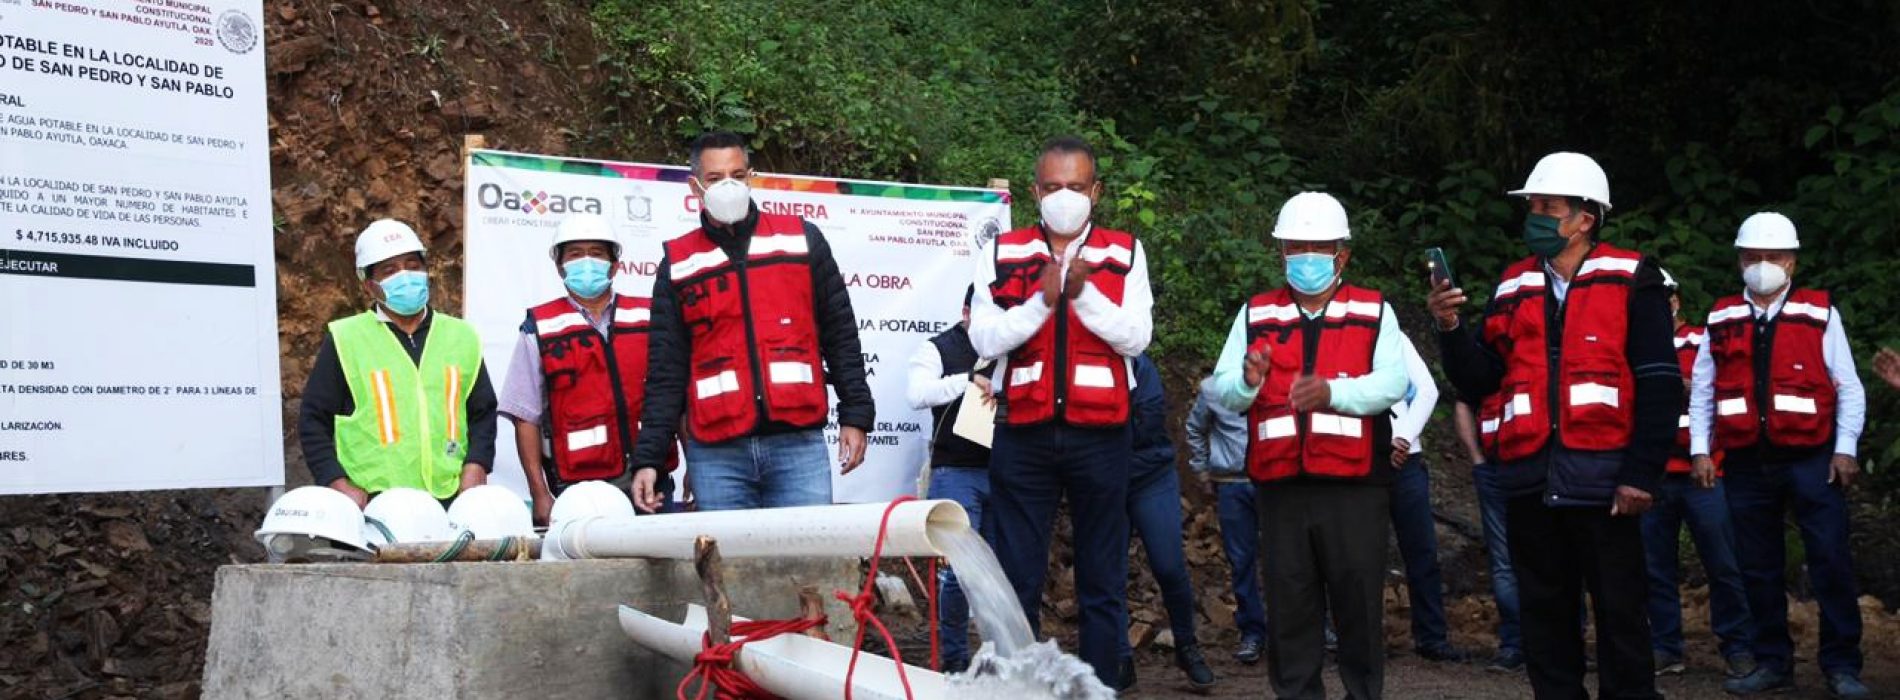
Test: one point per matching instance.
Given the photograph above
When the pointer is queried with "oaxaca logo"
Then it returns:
(491, 196)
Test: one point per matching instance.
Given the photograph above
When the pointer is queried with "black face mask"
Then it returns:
(1541, 235)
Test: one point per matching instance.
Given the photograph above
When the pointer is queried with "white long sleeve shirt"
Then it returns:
(1850, 407)
(1127, 327)
(1409, 416)
(926, 387)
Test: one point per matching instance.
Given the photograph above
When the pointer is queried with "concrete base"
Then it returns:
(475, 630)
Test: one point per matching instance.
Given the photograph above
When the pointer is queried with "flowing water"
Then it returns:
(999, 615)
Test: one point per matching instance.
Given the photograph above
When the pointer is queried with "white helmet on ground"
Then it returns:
(1767, 231)
(406, 515)
(313, 520)
(1566, 174)
(584, 227)
(384, 239)
(1312, 216)
(491, 512)
(587, 500)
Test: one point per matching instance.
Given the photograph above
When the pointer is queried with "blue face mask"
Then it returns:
(1309, 273)
(586, 277)
(406, 292)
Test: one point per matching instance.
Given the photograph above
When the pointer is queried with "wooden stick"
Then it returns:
(479, 550)
(812, 607)
(718, 609)
(473, 142)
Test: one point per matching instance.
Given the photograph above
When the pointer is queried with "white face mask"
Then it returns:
(1764, 278)
(1066, 211)
(727, 201)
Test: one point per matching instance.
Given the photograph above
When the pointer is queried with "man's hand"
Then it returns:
(850, 448)
(543, 507)
(1842, 470)
(1401, 452)
(1051, 283)
(1311, 393)
(1254, 372)
(1631, 501)
(983, 388)
(473, 475)
(1444, 302)
(645, 497)
(349, 488)
(1079, 271)
(1887, 365)
(1702, 470)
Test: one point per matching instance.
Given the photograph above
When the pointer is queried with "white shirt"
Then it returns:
(1409, 417)
(1850, 407)
(1127, 327)
(927, 387)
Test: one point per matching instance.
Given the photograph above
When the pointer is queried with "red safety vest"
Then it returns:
(1589, 401)
(1282, 442)
(1798, 391)
(1689, 339)
(1063, 372)
(755, 351)
(594, 397)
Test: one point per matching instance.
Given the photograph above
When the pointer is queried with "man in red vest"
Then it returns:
(1064, 304)
(1775, 390)
(1576, 369)
(751, 321)
(1315, 365)
(578, 376)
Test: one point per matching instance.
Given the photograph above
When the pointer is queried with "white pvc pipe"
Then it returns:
(816, 531)
(791, 666)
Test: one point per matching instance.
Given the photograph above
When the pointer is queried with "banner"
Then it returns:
(138, 289)
(906, 253)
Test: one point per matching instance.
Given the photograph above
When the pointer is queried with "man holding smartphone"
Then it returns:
(1575, 355)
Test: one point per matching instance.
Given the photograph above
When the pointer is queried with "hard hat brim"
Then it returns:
(1526, 194)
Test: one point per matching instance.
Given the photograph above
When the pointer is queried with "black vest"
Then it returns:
(948, 448)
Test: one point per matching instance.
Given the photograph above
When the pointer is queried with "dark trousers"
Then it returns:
(1240, 538)
(1758, 497)
(1559, 554)
(1032, 468)
(1491, 507)
(1324, 548)
(1418, 545)
(1154, 513)
(1705, 511)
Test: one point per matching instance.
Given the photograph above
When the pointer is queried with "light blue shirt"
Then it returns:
(1368, 395)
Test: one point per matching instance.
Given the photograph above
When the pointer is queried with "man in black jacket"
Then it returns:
(751, 320)
(1576, 364)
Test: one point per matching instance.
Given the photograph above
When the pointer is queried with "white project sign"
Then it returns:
(906, 253)
(138, 300)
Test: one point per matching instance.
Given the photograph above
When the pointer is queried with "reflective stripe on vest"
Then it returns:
(1798, 391)
(1283, 443)
(408, 427)
(1589, 403)
(1064, 372)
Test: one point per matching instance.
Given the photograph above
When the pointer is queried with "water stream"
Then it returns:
(999, 615)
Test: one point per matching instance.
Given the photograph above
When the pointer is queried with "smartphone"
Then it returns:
(1440, 269)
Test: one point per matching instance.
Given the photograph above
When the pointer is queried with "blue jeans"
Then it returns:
(1759, 495)
(1491, 499)
(1154, 513)
(970, 488)
(1705, 511)
(1032, 468)
(1240, 537)
(765, 471)
(1418, 546)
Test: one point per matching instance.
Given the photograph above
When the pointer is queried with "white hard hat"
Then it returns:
(1566, 174)
(310, 519)
(583, 227)
(1767, 231)
(383, 239)
(587, 500)
(406, 515)
(1312, 216)
(491, 512)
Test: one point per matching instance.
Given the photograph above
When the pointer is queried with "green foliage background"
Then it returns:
(1417, 114)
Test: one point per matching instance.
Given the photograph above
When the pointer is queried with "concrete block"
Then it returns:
(475, 630)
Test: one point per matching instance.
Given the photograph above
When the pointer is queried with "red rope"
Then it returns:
(930, 594)
(862, 603)
(713, 666)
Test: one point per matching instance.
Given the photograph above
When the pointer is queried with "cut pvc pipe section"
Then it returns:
(815, 531)
(791, 666)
